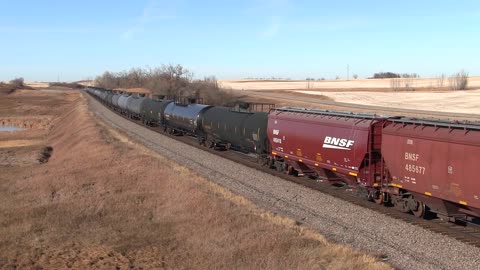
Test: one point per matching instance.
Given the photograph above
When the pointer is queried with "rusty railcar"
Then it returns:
(338, 146)
(433, 163)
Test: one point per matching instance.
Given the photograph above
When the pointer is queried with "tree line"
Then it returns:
(167, 80)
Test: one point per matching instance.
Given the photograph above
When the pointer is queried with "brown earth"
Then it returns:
(104, 202)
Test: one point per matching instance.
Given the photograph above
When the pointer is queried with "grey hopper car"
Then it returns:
(152, 111)
(184, 118)
(244, 131)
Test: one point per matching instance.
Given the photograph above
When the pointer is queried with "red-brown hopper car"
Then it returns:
(339, 146)
(436, 162)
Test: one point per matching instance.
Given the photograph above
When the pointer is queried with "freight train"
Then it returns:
(416, 165)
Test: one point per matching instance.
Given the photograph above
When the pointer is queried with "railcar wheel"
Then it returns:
(271, 163)
(420, 211)
(378, 199)
(289, 170)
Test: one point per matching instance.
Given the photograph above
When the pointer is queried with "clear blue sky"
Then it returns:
(41, 40)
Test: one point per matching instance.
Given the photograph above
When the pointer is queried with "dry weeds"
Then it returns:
(104, 202)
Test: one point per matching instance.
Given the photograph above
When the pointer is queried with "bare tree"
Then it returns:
(395, 84)
(167, 80)
(441, 80)
(458, 81)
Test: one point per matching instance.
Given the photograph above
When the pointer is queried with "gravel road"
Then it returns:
(405, 246)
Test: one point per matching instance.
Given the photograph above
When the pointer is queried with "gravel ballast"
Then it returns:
(404, 245)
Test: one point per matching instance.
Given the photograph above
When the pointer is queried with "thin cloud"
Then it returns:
(320, 25)
(274, 11)
(53, 30)
(151, 12)
(272, 29)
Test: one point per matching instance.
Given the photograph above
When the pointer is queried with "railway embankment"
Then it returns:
(104, 200)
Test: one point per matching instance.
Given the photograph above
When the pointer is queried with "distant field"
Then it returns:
(360, 84)
(441, 101)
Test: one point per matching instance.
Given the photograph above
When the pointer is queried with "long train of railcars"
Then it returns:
(416, 165)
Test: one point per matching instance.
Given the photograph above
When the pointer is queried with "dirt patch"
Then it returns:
(103, 201)
(20, 156)
(32, 122)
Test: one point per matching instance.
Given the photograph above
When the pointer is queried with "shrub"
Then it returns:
(385, 75)
(17, 82)
(458, 81)
(68, 85)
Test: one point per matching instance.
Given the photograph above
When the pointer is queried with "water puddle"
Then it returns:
(10, 129)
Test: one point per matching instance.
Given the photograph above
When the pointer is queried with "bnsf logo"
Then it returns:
(337, 143)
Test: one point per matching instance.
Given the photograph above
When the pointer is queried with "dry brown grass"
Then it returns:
(104, 202)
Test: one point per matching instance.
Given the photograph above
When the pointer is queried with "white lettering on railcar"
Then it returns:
(277, 140)
(411, 156)
(337, 143)
(276, 132)
(415, 168)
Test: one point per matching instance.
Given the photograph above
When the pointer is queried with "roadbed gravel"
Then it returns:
(402, 245)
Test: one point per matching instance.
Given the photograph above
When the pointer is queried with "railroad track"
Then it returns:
(467, 234)
(369, 108)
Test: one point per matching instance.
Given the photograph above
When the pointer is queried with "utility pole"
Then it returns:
(348, 72)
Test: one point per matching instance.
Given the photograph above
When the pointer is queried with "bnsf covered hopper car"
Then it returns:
(339, 146)
(434, 163)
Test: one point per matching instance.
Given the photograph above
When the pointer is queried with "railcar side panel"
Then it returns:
(153, 110)
(245, 130)
(184, 117)
(331, 142)
(436, 161)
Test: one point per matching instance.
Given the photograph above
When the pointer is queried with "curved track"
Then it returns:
(469, 236)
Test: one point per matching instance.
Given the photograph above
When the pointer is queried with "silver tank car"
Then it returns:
(134, 105)
(122, 102)
(184, 118)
